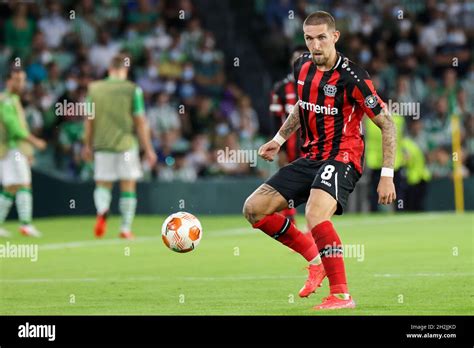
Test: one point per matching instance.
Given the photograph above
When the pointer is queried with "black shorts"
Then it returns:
(295, 180)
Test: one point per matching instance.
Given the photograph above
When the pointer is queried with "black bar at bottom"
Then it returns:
(134, 330)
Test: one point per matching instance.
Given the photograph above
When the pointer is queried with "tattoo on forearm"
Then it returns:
(389, 137)
(291, 124)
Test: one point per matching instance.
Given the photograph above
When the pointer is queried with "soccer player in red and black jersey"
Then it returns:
(333, 96)
(283, 98)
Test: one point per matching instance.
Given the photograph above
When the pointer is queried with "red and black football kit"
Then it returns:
(283, 99)
(331, 106)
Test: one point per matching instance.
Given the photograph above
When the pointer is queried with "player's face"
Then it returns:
(18, 82)
(321, 42)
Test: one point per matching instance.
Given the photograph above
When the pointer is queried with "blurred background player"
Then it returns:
(283, 98)
(110, 133)
(16, 155)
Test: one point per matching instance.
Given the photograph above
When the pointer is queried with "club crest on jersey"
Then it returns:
(370, 101)
(329, 90)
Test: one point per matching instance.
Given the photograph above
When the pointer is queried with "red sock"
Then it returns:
(281, 229)
(330, 249)
(289, 213)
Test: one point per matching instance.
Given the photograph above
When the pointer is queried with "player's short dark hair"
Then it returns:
(320, 17)
(119, 62)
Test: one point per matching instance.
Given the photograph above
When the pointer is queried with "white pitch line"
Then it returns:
(205, 279)
(399, 275)
(90, 243)
(95, 243)
(232, 278)
(378, 220)
(135, 279)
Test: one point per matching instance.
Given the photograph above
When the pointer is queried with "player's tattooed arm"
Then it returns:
(268, 150)
(386, 187)
(389, 136)
(292, 123)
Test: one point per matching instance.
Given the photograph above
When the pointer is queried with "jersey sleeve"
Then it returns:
(138, 103)
(365, 95)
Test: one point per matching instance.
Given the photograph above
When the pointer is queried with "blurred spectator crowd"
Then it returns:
(416, 51)
(192, 109)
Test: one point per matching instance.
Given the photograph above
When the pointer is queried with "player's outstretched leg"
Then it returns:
(260, 210)
(127, 207)
(102, 199)
(319, 210)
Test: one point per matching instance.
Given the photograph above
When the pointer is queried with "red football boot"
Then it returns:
(127, 235)
(30, 231)
(332, 302)
(100, 225)
(315, 278)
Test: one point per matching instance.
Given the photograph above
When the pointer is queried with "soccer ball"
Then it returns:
(181, 232)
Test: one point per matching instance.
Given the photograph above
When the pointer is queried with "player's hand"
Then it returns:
(86, 153)
(268, 150)
(40, 144)
(386, 190)
(150, 157)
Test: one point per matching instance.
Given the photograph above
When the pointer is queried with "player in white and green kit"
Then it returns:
(16, 154)
(112, 135)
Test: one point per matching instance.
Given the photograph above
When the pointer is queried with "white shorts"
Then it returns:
(15, 169)
(113, 166)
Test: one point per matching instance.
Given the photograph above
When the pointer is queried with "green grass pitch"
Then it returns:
(411, 264)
